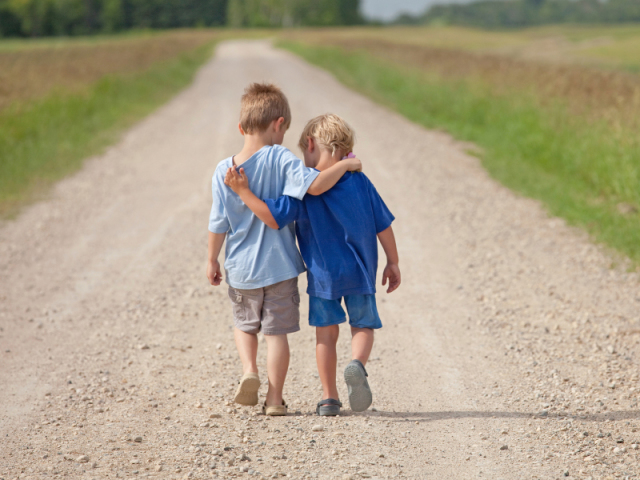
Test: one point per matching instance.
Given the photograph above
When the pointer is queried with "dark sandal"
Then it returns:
(329, 407)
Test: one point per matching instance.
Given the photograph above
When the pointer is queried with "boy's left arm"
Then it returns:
(392, 270)
(239, 183)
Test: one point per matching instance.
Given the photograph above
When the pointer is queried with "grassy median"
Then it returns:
(584, 164)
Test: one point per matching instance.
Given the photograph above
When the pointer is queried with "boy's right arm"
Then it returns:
(218, 228)
(213, 252)
(329, 177)
(391, 270)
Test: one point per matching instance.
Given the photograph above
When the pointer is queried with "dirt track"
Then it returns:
(509, 352)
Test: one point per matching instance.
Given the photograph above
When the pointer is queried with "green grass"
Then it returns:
(580, 170)
(42, 141)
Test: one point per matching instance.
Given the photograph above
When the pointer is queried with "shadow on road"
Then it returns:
(433, 416)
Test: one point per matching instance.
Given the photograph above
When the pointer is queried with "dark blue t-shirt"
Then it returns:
(337, 233)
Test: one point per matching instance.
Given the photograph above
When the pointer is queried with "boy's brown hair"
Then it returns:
(330, 132)
(261, 104)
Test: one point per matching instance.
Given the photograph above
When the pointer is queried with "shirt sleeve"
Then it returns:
(382, 215)
(218, 221)
(284, 210)
(297, 177)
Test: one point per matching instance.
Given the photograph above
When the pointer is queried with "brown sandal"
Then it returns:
(275, 410)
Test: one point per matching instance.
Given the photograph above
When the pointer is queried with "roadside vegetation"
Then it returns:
(556, 129)
(62, 102)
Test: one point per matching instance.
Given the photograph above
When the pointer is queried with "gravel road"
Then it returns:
(511, 350)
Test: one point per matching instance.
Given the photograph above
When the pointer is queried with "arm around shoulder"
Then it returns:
(239, 183)
(329, 177)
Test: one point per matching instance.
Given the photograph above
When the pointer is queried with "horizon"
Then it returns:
(385, 10)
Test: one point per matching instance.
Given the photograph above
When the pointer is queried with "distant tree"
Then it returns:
(256, 13)
(318, 13)
(31, 14)
(350, 12)
(285, 13)
(10, 22)
(112, 15)
(518, 13)
(75, 17)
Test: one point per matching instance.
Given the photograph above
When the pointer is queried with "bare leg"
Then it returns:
(277, 366)
(361, 343)
(360, 396)
(247, 345)
(327, 359)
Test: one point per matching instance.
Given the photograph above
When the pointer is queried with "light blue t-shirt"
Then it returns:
(256, 255)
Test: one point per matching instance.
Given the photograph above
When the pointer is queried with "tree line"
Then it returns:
(287, 13)
(36, 18)
(523, 13)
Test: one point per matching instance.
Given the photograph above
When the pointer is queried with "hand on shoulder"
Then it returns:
(236, 180)
(353, 164)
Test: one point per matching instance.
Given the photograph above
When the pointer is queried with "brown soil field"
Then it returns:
(30, 73)
(611, 46)
(612, 95)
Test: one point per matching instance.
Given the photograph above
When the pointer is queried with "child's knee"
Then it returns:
(362, 331)
(246, 332)
(279, 339)
(327, 334)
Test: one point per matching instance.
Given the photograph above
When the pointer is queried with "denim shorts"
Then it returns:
(362, 310)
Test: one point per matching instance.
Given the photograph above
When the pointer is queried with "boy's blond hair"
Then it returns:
(330, 132)
(261, 104)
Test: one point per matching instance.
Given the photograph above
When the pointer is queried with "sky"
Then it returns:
(390, 9)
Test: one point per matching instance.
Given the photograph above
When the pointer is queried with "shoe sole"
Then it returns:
(360, 396)
(247, 393)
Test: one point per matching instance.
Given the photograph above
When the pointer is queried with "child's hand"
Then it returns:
(213, 273)
(392, 273)
(235, 180)
(353, 164)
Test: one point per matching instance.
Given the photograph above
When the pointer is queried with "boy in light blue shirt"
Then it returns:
(262, 265)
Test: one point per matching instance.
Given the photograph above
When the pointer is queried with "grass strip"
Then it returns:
(586, 172)
(44, 140)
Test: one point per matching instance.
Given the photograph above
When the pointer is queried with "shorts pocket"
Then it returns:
(239, 310)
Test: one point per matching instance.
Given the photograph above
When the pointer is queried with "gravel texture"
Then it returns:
(510, 351)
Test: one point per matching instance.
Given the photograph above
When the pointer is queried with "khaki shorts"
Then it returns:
(274, 309)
